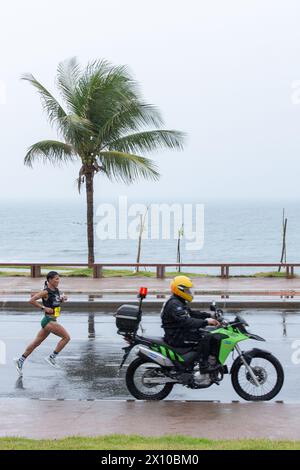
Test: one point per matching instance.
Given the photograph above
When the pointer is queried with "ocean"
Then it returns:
(237, 231)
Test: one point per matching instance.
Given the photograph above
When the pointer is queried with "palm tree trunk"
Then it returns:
(89, 178)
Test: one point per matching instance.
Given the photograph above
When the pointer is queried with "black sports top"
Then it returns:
(53, 299)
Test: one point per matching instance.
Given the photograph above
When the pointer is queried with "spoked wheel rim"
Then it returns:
(138, 371)
(265, 373)
(146, 371)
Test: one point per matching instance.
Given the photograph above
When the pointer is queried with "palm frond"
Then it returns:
(131, 117)
(50, 151)
(68, 75)
(104, 91)
(75, 130)
(106, 122)
(89, 82)
(53, 108)
(149, 141)
(127, 168)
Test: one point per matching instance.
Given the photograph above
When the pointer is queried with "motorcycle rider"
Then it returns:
(183, 325)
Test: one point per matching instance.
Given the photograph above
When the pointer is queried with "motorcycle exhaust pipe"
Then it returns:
(155, 356)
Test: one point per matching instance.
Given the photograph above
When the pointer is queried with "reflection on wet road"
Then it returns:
(89, 364)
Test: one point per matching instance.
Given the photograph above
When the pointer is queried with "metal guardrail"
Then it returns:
(35, 268)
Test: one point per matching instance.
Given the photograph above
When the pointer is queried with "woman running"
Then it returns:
(51, 299)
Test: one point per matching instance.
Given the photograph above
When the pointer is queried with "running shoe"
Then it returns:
(19, 366)
(52, 361)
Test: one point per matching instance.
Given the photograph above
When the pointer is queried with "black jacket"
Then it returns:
(181, 324)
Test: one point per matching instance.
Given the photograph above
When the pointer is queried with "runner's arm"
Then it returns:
(34, 299)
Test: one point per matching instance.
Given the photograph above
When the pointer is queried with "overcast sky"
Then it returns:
(223, 71)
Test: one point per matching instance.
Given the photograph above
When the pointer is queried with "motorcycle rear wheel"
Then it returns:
(139, 369)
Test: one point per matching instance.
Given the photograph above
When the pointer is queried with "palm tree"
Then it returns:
(101, 123)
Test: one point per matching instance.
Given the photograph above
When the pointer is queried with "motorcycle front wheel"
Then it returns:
(268, 372)
(137, 374)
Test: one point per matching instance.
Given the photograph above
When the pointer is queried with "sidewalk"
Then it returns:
(56, 419)
(119, 284)
(88, 294)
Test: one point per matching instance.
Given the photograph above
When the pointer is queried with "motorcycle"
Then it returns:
(256, 375)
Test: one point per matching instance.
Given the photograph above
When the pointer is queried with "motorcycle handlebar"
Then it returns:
(219, 315)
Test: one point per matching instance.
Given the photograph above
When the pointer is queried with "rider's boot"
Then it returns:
(208, 364)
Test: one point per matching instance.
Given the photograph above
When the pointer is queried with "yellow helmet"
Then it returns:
(181, 286)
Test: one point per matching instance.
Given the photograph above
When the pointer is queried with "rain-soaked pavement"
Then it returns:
(47, 419)
(90, 362)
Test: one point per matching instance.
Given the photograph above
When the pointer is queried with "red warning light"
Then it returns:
(143, 291)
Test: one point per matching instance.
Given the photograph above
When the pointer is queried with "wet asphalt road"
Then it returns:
(89, 364)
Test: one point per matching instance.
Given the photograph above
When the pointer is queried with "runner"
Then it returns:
(52, 300)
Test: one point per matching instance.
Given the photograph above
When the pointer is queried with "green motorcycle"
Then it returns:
(256, 375)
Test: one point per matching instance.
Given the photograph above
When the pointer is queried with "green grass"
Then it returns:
(86, 272)
(13, 274)
(271, 274)
(124, 442)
